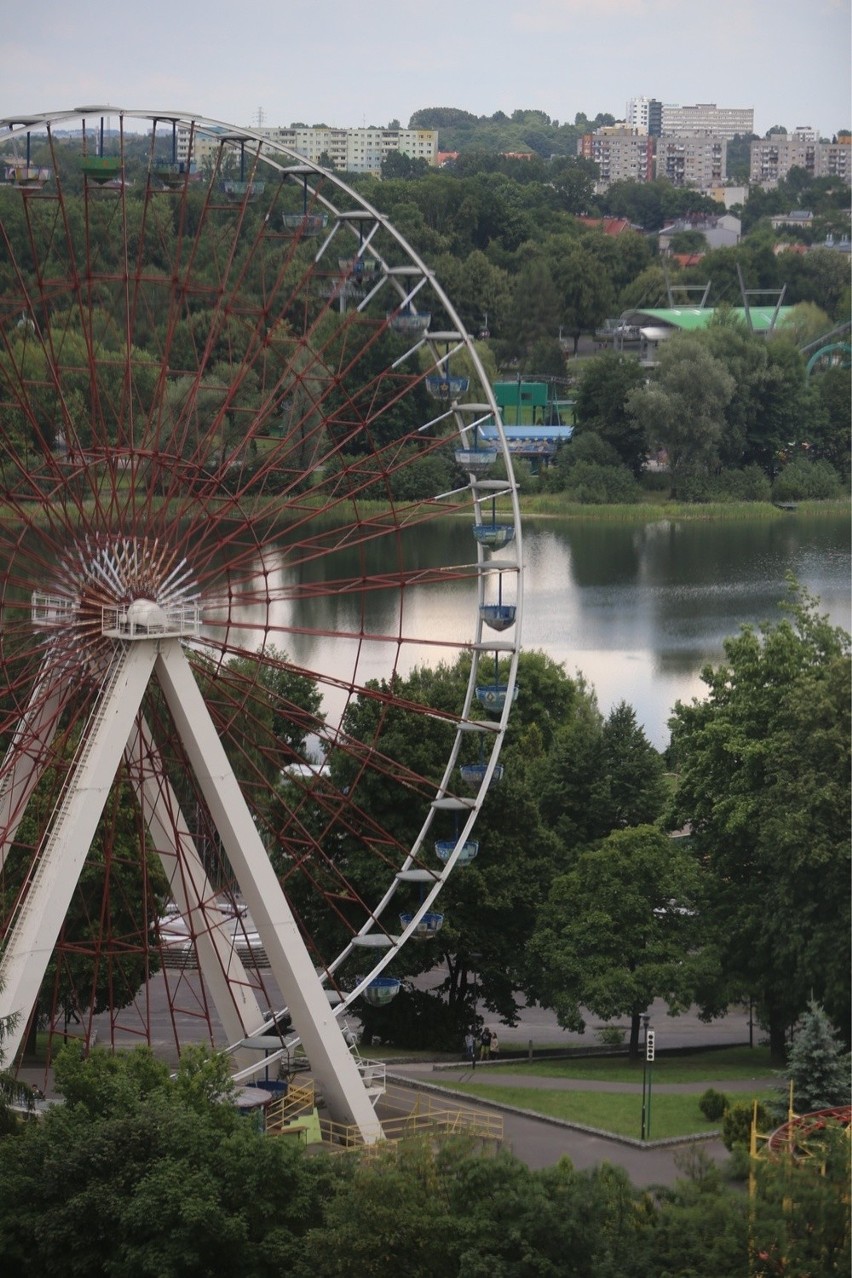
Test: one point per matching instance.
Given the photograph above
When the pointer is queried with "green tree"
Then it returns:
(122, 879)
(601, 775)
(130, 1176)
(601, 406)
(536, 308)
(828, 427)
(698, 1227)
(683, 409)
(817, 1065)
(397, 165)
(13, 1092)
(766, 410)
(443, 1205)
(586, 292)
(763, 783)
(635, 771)
(616, 931)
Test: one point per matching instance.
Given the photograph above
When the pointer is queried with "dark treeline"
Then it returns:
(141, 1174)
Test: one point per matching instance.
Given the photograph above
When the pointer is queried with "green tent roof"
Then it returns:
(691, 318)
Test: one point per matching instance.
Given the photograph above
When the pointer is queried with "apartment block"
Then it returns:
(835, 159)
(772, 158)
(694, 160)
(706, 117)
(621, 154)
(349, 150)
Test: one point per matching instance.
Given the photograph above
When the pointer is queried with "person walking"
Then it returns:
(485, 1044)
(495, 1046)
(470, 1048)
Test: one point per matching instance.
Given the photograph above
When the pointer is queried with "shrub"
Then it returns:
(802, 479)
(610, 1036)
(695, 488)
(736, 1124)
(593, 484)
(748, 484)
(713, 1104)
(656, 481)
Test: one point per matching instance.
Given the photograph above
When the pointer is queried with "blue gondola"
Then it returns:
(447, 387)
(492, 697)
(426, 929)
(473, 774)
(494, 536)
(445, 848)
(498, 616)
(381, 990)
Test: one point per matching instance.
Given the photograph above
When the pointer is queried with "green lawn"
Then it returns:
(620, 1113)
(728, 1063)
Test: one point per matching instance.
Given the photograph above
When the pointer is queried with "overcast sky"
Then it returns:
(354, 62)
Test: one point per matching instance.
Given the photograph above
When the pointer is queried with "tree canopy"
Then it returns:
(617, 930)
(763, 785)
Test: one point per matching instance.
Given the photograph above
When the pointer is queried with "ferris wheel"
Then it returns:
(247, 452)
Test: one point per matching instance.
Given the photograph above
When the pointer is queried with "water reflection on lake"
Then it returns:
(638, 608)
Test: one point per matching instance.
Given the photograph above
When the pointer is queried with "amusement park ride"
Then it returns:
(214, 390)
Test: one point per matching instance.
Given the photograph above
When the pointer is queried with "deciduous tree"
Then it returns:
(763, 782)
(616, 931)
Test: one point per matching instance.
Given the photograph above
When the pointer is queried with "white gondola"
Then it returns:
(476, 460)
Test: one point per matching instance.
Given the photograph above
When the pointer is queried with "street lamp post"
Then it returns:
(650, 1047)
(645, 1018)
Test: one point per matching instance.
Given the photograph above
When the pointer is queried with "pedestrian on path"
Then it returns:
(495, 1046)
(470, 1048)
(485, 1044)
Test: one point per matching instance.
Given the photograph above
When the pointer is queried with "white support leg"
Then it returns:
(24, 762)
(331, 1061)
(218, 961)
(36, 925)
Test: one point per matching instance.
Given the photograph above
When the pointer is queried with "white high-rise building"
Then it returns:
(644, 115)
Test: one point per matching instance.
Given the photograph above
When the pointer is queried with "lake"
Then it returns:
(638, 608)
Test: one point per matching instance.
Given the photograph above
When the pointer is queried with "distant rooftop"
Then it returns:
(692, 318)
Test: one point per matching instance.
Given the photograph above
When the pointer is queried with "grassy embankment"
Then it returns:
(554, 505)
(672, 1114)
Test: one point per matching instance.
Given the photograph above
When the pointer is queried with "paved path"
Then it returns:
(541, 1142)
